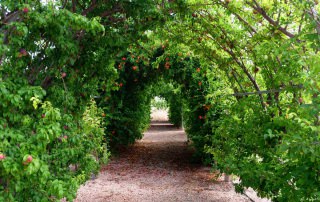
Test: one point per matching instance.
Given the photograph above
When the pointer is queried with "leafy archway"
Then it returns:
(130, 103)
(67, 80)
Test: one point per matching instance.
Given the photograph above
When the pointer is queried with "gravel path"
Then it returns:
(157, 169)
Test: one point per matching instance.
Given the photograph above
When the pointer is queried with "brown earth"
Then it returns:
(157, 169)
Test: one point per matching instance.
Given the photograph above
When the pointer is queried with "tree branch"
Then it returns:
(90, 8)
(74, 6)
(110, 12)
(225, 5)
(301, 22)
(314, 15)
(64, 4)
(264, 91)
(260, 10)
(11, 17)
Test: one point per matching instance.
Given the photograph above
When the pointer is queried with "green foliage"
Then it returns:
(262, 89)
(130, 115)
(55, 57)
(243, 74)
(54, 141)
(175, 109)
(277, 156)
(180, 80)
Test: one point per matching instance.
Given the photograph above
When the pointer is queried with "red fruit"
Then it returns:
(29, 159)
(43, 115)
(2, 157)
(120, 84)
(167, 59)
(66, 127)
(124, 58)
(22, 52)
(200, 117)
(167, 65)
(194, 15)
(134, 68)
(199, 83)
(65, 137)
(198, 69)
(256, 70)
(63, 75)
(25, 10)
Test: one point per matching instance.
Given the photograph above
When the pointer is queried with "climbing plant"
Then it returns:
(264, 97)
(55, 58)
(77, 78)
(171, 76)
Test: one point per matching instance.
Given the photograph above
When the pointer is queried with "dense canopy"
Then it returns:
(77, 78)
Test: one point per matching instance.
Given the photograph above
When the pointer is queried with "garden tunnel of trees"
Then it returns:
(77, 77)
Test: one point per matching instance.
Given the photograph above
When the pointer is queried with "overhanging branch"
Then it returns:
(266, 91)
(260, 10)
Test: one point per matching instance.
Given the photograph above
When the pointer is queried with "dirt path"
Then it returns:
(157, 168)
